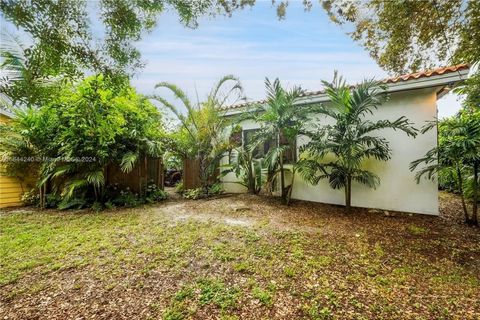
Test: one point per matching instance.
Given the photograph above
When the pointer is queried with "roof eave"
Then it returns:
(451, 79)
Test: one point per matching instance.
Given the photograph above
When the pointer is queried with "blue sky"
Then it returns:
(253, 44)
(301, 50)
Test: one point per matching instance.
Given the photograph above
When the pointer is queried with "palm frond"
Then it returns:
(96, 178)
(72, 186)
(367, 178)
(128, 161)
(177, 92)
(236, 88)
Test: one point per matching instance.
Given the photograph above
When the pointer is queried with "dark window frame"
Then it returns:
(288, 159)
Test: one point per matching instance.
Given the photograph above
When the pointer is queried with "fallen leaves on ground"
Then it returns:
(239, 257)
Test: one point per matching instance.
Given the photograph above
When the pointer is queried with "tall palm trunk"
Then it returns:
(251, 179)
(282, 173)
(348, 194)
(289, 194)
(282, 181)
(475, 193)
(460, 189)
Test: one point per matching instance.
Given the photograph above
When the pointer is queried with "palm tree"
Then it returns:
(281, 120)
(22, 84)
(202, 135)
(12, 66)
(458, 151)
(351, 139)
(247, 168)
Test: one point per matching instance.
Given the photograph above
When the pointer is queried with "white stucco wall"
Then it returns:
(398, 189)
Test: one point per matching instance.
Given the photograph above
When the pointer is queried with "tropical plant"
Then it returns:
(470, 89)
(21, 84)
(351, 139)
(247, 168)
(458, 153)
(281, 120)
(202, 135)
(71, 140)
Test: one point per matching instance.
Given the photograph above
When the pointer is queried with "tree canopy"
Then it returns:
(72, 36)
(408, 35)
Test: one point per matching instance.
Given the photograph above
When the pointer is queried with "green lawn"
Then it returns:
(238, 257)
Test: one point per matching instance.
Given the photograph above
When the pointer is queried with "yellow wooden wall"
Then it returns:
(10, 187)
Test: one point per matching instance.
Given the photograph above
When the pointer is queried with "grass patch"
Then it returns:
(135, 258)
(416, 230)
(264, 296)
(215, 292)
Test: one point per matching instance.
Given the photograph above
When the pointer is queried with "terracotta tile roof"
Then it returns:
(428, 73)
(405, 77)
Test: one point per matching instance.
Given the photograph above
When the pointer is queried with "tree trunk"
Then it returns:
(282, 181)
(460, 189)
(282, 173)
(348, 194)
(289, 195)
(475, 193)
(251, 180)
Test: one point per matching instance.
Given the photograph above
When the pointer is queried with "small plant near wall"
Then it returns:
(247, 168)
(351, 139)
(199, 193)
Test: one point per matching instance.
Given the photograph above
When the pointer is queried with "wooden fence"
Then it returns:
(191, 174)
(146, 170)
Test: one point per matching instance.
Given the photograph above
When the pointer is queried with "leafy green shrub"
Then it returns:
(447, 180)
(81, 130)
(116, 196)
(179, 187)
(153, 194)
(109, 205)
(31, 198)
(216, 188)
(199, 193)
(73, 203)
(52, 200)
(126, 198)
(97, 206)
(193, 194)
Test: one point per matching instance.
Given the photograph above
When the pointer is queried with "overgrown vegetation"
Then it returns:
(69, 142)
(456, 160)
(281, 121)
(202, 135)
(443, 32)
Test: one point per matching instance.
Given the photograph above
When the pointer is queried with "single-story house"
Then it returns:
(412, 95)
